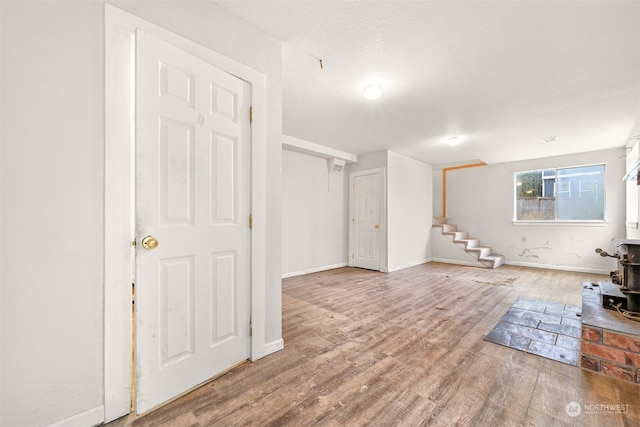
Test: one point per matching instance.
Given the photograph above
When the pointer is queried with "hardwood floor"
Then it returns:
(406, 349)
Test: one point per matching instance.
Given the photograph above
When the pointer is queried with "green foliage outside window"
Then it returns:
(529, 184)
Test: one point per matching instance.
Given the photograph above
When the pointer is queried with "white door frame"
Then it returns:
(382, 245)
(119, 132)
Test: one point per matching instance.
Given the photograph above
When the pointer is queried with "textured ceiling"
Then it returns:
(502, 75)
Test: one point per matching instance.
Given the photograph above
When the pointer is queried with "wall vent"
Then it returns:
(336, 165)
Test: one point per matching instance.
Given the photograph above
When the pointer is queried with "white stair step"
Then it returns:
(480, 251)
(468, 243)
(460, 235)
(494, 260)
(457, 235)
(449, 228)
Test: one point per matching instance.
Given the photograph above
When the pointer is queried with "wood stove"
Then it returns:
(625, 299)
(610, 341)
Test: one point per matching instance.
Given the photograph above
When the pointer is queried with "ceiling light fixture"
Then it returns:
(453, 141)
(550, 139)
(373, 92)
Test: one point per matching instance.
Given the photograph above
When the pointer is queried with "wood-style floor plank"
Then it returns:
(404, 349)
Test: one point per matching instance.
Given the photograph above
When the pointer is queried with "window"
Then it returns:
(564, 194)
(564, 188)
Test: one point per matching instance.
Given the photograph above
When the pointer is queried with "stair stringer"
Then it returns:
(444, 250)
(470, 251)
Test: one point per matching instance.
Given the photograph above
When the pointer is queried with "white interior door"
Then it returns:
(192, 196)
(367, 219)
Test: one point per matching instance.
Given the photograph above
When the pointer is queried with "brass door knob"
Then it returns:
(149, 242)
(377, 225)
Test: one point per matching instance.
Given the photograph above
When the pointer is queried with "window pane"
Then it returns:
(580, 193)
(567, 194)
(534, 196)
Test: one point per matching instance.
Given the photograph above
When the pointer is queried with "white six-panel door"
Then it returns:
(367, 220)
(192, 197)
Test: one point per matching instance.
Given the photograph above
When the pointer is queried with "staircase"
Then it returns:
(483, 254)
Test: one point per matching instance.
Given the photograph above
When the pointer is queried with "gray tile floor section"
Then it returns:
(547, 329)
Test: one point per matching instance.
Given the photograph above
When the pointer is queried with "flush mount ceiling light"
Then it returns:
(373, 92)
(453, 141)
(550, 139)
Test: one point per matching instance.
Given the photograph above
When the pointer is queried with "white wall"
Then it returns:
(52, 180)
(632, 188)
(480, 200)
(1, 235)
(314, 217)
(409, 211)
(437, 192)
(52, 211)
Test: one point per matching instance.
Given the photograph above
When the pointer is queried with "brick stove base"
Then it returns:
(610, 344)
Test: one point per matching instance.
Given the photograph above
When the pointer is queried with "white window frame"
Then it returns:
(560, 222)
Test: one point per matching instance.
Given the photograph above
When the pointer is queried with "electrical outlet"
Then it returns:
(324, 252)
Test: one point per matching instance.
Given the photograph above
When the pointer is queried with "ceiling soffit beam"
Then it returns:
(312, 149)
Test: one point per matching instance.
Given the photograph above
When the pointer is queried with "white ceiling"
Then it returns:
(502, 75)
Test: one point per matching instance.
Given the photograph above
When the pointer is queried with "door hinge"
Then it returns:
(250, 114)
(250, 221)
(353, 256)
(133, 243)
(250, 329)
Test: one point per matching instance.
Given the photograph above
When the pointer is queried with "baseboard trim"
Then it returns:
(527, 264)
(411, 264)
(91, 417)
(313, 270)
(558, 267)
(459, 262)
(273, 346)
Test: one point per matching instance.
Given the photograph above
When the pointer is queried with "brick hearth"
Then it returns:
(610, 344)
